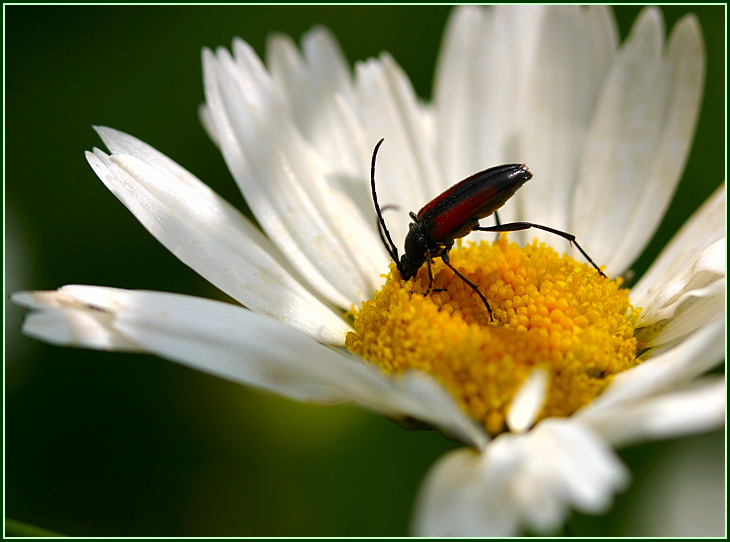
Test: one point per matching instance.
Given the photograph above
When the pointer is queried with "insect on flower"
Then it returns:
(454, 214)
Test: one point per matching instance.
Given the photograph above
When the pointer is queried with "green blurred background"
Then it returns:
(111, 444)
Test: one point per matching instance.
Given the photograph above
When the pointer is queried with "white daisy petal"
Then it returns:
(210, 236)
(606, 132)
(693, 298)
(665, 371)
(705, 227)
(206, 119)
(484, 100)
(566, 77)
(121, 143)
(486, 55)
(327, 62)
(354, 185)
(601, 25)
(406, 170)
(528, 401)
(458, 497)
(317, 86)
(520, 482)
(322, 233)
(623, 130)
(639, 139)
(239, 345)
(319, 91)
(698, 409)
(422, 398)
(56, 321)
(211, 336)
(464, 45)
(593, 471)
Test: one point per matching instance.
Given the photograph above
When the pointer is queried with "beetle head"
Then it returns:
(416, 251)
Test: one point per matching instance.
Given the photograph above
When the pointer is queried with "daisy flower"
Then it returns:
(571, 366)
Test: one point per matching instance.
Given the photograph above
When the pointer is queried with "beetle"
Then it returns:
(454, 214)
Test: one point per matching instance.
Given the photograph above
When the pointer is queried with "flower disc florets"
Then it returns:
(549, 312)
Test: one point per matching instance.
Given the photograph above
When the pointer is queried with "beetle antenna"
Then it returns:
(382, 228)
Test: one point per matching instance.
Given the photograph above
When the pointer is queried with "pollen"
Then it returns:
(549, 312)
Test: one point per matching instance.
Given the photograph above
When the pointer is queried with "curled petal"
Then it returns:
(461, 497)
(688, 302)
(704, 228)
(519, 482)
(696, 409)
(673, 368)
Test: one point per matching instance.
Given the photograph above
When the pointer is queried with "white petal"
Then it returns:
(484, 94)
(215, 337)
(569, 69)
(285, 183)
(458, 95)
(418, 396)
(705, 227)
(698, 409)
(666, 371)
(57, 320)
(693, 298)
(639, 139)
(407, 174)
(480, 84)
(210, 235)
(601, 25)
(528, 402)
(461, 497)
(206, 119)
(239, 345)
(319, 92)
(317, 86)
(518, 482)
(576, 468)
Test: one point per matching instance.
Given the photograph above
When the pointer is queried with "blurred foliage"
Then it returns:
(20, 529)
(102, 444)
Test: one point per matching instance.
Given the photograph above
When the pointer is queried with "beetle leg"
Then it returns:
(498, 224)
(444, 253)
(445, 258)
(430, 276)
(516, 226)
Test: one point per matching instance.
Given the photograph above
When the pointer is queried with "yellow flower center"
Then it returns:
(549, 311)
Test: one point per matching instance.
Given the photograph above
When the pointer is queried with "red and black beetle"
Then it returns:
(454, 214)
